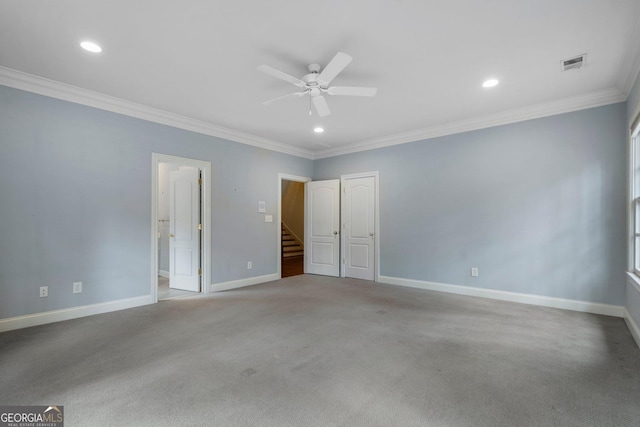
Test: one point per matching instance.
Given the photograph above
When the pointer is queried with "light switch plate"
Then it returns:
(77, 287)
(262, 207)
(268, 218)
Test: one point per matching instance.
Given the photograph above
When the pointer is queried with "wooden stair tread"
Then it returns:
(290, 246)
(292, 254)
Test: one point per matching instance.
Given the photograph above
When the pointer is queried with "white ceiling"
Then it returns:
(428, 59)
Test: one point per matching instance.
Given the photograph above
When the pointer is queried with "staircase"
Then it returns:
(290, 246)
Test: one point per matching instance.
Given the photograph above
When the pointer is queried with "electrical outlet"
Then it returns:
(249, 265)
(44, 291)
(77, 287)
(474, 271)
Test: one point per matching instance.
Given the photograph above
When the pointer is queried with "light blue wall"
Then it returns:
(538, 206)
(75, 202)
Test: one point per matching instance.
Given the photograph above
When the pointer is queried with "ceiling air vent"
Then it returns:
(574, 63)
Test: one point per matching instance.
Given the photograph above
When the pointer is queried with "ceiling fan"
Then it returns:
(316, 83)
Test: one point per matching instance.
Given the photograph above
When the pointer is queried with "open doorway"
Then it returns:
(181, 221)
(291, 230)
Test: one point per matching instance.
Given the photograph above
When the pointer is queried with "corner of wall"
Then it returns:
(633, 327)
(632, 306)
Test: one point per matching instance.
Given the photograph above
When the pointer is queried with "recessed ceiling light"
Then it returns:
(318, 130)
(91, 47)
(490, 83)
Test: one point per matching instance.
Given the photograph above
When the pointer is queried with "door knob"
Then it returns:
(335, 233)
(371, 234)
(170, 234)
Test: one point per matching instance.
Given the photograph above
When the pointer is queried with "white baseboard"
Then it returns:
(163, 273)
(633, 326)
(71, 313)
(234, 284)
(566, 304)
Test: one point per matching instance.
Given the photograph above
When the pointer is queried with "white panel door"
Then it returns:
(184, 233)
(359, 227)
(322, 228)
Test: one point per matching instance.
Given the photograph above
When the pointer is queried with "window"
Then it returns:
(635, 196)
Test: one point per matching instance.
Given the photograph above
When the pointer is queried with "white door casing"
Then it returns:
(322, 228)
(358, 200)
(184, 234)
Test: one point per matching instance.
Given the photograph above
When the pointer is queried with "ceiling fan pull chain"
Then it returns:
(310, 113)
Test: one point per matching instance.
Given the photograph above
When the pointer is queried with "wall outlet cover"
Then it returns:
(77, 287)
(44, 291)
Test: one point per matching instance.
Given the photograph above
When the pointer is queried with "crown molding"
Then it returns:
(514, 115)
(42, 86)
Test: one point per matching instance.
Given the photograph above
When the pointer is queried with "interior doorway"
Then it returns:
(347, 248)
(181, 212)
(291, 251)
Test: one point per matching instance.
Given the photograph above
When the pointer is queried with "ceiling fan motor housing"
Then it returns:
(311, 80)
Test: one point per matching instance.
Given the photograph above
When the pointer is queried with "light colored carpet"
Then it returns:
(318, 351)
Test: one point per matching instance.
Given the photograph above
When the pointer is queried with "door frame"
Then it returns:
(205, 217)
(376, 221)
(284, 177)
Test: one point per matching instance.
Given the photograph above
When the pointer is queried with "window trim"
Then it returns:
(634, 199)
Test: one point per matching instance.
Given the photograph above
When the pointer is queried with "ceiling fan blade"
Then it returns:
(271, 101)
(337, 64)
(321, 105)
(280, 75)
(352, 91)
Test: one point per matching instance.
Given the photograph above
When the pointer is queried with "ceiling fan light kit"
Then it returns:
(316, 83)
